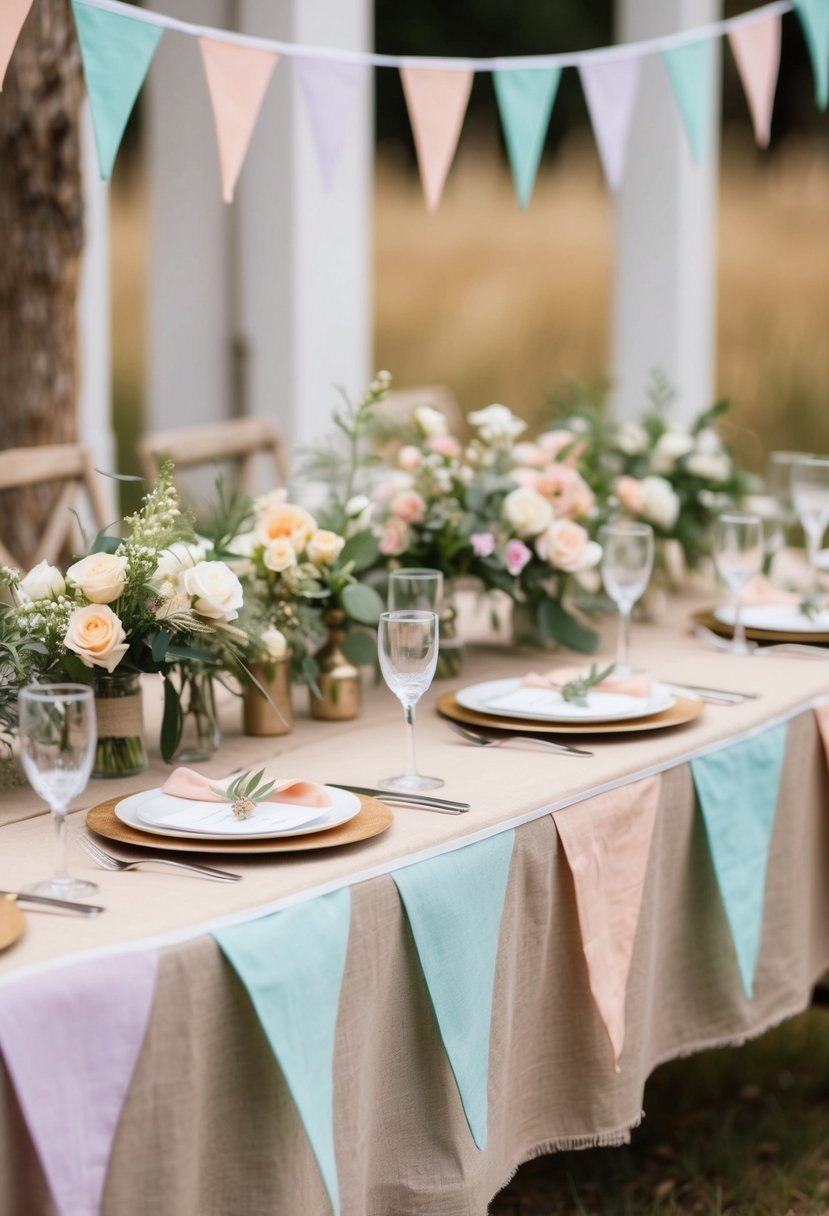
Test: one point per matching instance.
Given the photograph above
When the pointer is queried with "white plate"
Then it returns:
(776, 618)
(146, 813)
(499, 697)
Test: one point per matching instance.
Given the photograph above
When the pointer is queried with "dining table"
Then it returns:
(392, 1026)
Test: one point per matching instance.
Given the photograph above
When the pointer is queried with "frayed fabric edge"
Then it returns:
(566, 1144)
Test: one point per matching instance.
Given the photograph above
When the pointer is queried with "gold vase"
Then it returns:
(259, 717)
(339, 681)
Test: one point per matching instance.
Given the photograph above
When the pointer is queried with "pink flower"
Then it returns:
(409, 457)
(395, 538)
(516, 556)
(630, 494)
(409, 506)
(553, 442)
(529, 454)
(483, 544)
(566, 489)
(567, 546)
(526, 477)
(445, 445)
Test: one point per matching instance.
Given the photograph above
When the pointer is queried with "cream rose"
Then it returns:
(497, 424)
(101, 577)
(274, 644)
(325, 547)
(670, 447)
(279, 556)
(409, 457)
(43, 582)
(180, 556)
(632, 438)
(527, 512)
(215, 590)
(709, 466)
(96, 634)
(430, 421)
(567, 546)
(629, 492)
(660, 502)
(285, 521)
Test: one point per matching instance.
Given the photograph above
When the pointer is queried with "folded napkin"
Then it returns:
(760, 591)
(625, 686)
(187, 783)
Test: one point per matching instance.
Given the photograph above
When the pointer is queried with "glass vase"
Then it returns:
(119, 713)
(200, 735)
(450, 643)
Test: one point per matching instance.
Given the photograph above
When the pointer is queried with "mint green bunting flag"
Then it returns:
(814, 17)
(690, 71)
(525, 101)
(737, 790)
(454, 904)
(292, 965)
(116, 52)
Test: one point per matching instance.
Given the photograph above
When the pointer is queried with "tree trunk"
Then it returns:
(41, 221)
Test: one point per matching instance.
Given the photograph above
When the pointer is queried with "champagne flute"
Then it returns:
(627, 561)
(57, 746)
(810, 495)
(415, 588)
(407, 645)
(738, 556)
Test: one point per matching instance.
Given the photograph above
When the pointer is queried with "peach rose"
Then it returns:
(101, 577)
(630, 494)
(567, 546)
(96, 634)
(325, 547)
(395, 538)
(284, 521)
(409, 506)
(569, 492)
(409, 457)
(445, 445)
(280, 555)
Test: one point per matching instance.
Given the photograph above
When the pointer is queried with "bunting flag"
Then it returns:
(330, 90)
(237, 80)
(607, 841)
(71, 1039)
(610, 87)
(454, 903)
(117, 52)
(526, 97)
(814, 17)
(737, 790)
(756, 50)
(292, 965)
(436, 101)
(690, 71)
(13, 14)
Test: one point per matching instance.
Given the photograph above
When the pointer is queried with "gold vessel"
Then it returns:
(259, 717)
(340, 682)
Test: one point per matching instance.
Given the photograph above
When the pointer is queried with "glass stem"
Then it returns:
(739, 638)
(411, 759)
(813, 538)
(59, 820)
(623, 648)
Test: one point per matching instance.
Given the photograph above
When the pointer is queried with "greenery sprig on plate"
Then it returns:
(575, 691)
(244, 793)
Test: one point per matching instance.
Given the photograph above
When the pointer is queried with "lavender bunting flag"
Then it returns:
(330, 90)
(71, 1039)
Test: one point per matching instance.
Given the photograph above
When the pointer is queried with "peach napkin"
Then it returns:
(626, 686)
(187, 783)
(760, 591)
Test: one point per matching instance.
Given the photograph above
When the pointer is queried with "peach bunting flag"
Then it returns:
(13, 13)
(437, 102)
(756, 50)
(607, 842)
(237, 80)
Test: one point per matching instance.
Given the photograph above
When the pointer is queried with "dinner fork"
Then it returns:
(480, 740)
(107, 862)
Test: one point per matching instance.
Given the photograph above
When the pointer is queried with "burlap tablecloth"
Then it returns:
(208, 1125)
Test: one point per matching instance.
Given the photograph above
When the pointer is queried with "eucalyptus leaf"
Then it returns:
(171, 722)
(363, 550)
(558, 625)
(362, 603)
(360, 647)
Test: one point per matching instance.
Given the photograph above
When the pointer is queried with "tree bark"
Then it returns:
(41, 222)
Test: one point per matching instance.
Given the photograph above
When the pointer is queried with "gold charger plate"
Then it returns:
(706, 617)
(372, 819)
(12, 922)
(683, 710)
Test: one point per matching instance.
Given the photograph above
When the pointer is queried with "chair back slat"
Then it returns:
(238, 439)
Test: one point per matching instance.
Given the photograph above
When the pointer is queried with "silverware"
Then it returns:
(68, 905)
(713, 696)
(444, 805)
(108, 862)
(796, 649)
(482, 740)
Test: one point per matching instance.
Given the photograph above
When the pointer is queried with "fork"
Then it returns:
(107, 862)
(480, 740)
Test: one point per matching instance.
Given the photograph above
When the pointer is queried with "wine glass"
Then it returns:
(407, 644)
(810, 495)
(415, 588)
(57, 746)
(627, 561)
(738, 556)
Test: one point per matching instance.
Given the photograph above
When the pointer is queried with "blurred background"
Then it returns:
(504, 305)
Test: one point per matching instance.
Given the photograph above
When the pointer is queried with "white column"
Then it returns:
(666, 216)
(94, 410)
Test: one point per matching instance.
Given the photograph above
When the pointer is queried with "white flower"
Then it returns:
(660, 502)
(713, 466)
(527, 512)
(567, 546)
(274, 644)
(324, 547)
(101, 577)
(670, 447)
(497, 423)
(632, 438)
(43, 582)
(357, 505)
(279, 555)
(180, 556)
(708, 441)
(430, 421)
(215, 590)
(97, 635)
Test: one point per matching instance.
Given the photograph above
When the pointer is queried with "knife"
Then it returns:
(68, 905)
(444, 805)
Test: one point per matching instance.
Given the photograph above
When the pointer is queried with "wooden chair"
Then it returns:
(240, 440)
(69, 463)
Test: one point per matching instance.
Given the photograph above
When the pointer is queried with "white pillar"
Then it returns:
(666, 216)
(94, 410)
